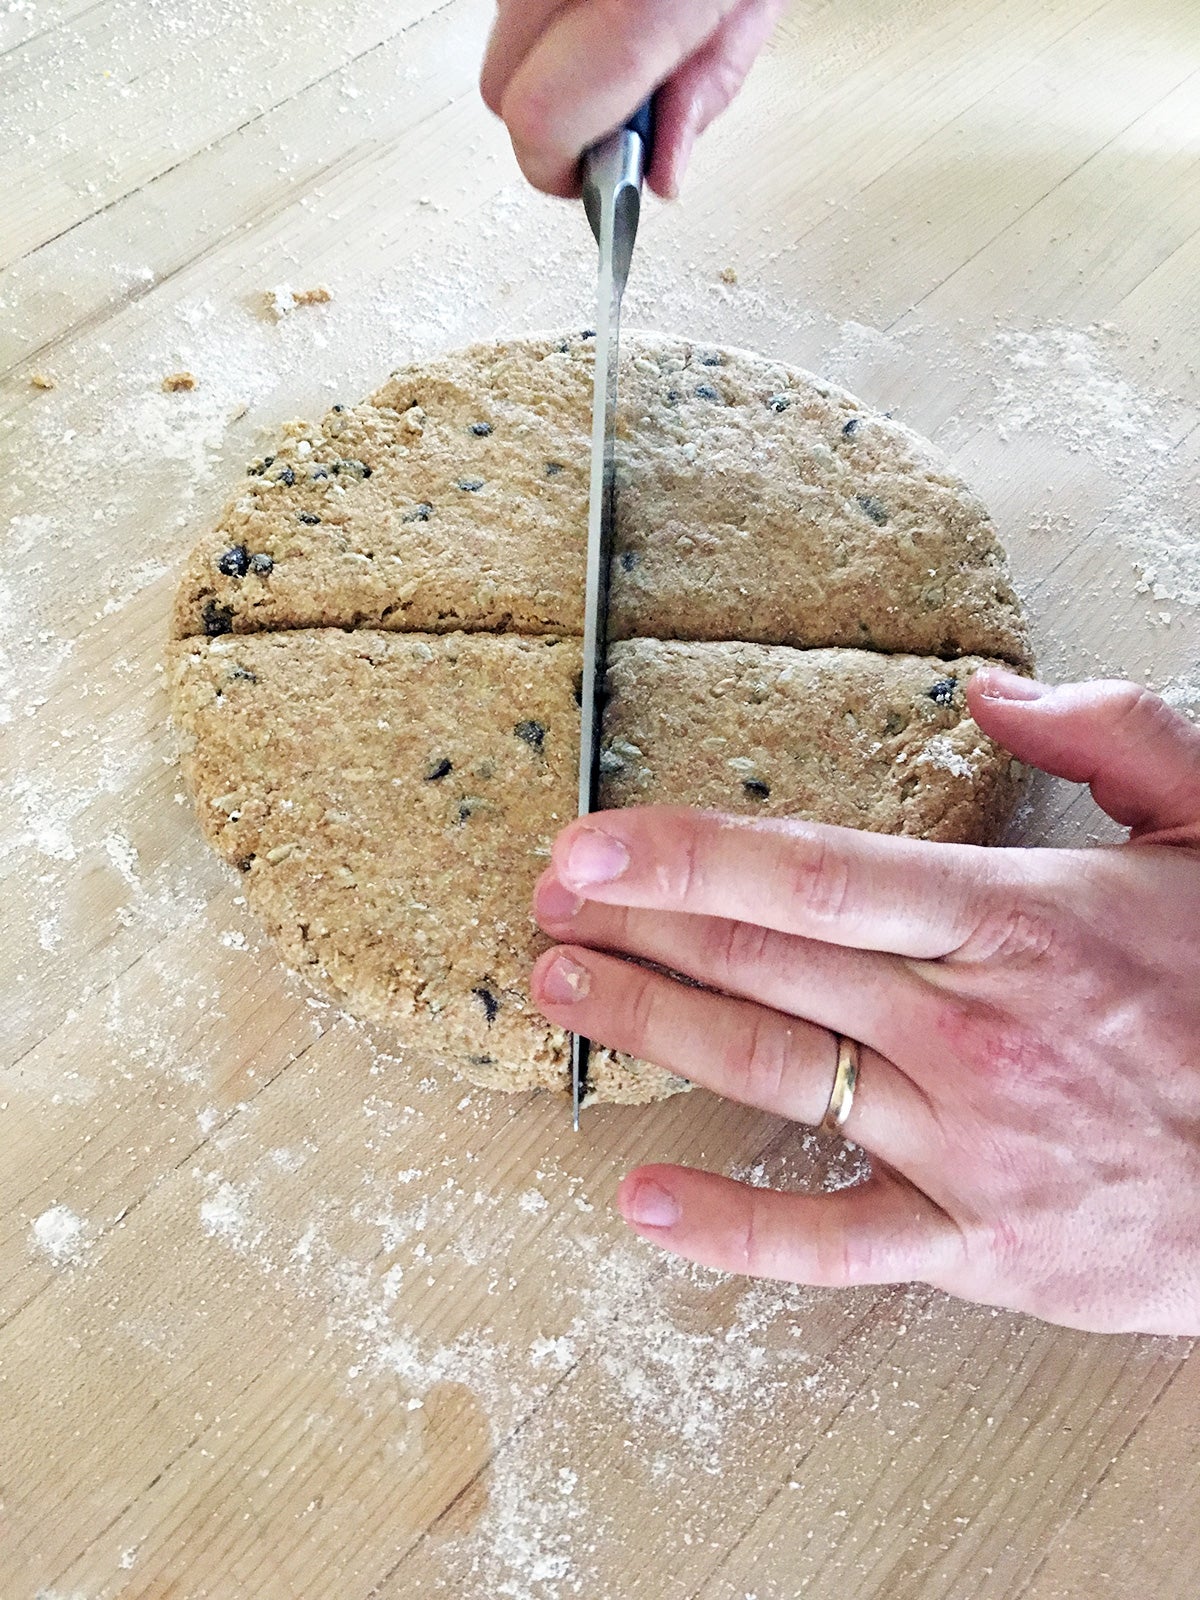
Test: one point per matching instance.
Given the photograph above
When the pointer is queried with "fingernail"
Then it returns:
(653, 1207)
(565, 981)
(594, 858)
(554, 902)
(1000, 684)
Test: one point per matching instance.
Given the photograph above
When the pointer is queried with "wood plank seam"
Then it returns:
(248, 122)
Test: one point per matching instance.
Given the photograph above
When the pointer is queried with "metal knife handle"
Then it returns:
(642, 123)
(615, 165)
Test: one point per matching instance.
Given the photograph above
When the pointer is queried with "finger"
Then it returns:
(594, 64)
(517, 27)
(743, 1051)
(702, 88)
(1139, 757)
(839, 885)
(823, 983)
(883, 1231)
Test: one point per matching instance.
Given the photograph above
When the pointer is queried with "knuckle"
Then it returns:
(758, 1059)
(1004, 1245)
(685, 873)
(820, 876)
(625, 24)
(1139, 717)
(1134, 703)
(736, 948)
(494, 74)
(1018, 934)
(760, 1251)
(725, 78)
(491, 91)
(621, 27)
(841, 1257)
(642, 1011)
(1021, 920)
(620, 930)
(529, 115)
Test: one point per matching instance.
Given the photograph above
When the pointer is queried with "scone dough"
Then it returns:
(754, 502)
(376, 661)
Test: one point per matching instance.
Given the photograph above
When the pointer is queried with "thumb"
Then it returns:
(1140, 758)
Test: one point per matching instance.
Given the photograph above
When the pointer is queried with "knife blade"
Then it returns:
(612, 196)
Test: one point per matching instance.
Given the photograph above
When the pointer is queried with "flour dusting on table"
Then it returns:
(332, 1214)
(59, 1234)
(680, 1361)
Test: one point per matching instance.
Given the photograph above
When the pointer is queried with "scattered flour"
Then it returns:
(1184, 694)
(1166, 547)
(857, 344)
(559, 1353)
(680, 1360)
(225, 1214)
(1062, 380)
(287, 1160)
(124, 857)
(687, 1380)
(940, 753)
(1063, 383)
(59, 1234)
(525, 1547)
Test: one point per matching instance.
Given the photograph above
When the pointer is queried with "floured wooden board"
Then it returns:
(280, 1314)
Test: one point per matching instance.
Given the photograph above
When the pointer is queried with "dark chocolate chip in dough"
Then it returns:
(234, 562)
(491, 1006)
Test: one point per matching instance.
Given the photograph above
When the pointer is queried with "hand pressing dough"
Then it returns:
(376, 664)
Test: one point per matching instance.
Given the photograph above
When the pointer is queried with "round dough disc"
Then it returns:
(376, 660)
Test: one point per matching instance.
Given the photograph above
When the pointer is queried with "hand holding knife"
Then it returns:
(612, 197)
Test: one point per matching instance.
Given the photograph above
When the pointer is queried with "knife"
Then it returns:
(612, 197)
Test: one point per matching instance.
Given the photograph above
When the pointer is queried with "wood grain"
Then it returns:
(283, 1311)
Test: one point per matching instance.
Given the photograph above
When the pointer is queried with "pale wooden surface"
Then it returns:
(309, 1322)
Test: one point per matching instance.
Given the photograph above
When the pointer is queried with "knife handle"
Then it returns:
(642, 123)
(615, 164)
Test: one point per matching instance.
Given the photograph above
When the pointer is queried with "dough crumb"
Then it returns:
(178, 382)
(42, 380)
(729, 275)
(283, 299)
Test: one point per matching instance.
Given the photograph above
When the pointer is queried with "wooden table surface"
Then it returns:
(283, 1313)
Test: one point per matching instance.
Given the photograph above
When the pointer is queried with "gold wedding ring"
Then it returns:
(845, 1079)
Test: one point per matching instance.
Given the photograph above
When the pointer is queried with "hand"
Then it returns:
(561, 75)
(1029, 1091)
